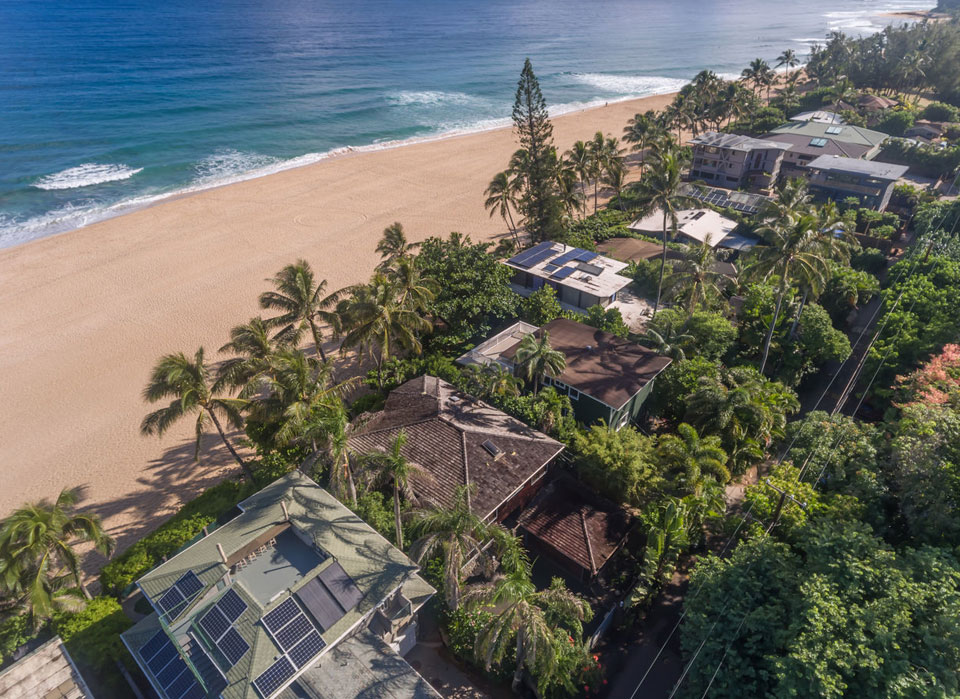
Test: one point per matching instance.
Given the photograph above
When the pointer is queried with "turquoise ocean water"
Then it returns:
(106, 105)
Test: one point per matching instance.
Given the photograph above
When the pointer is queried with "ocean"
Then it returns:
(108, 105)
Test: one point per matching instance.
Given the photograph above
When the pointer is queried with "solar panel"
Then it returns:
(566, 257)
(586, 255)
(322, 604)
(281, 616)
(550, 269)
(171, 599)
(164, 656)
(539, 257)
(563, 273)
(341, 586)
(171, 672)
(522, 259)
(189, 584)
(195, 692)
(233, 646)
(232, 606)
(274, 677)
(214, 624)
(289, 635)
(307, 649)
(150, 648)
(181, 684)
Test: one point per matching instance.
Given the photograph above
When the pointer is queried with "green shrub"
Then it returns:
(923, 159)
(374, 508)
(14, 632)
(885, 232)
(609, 320)
(896, 122)
(940, 111)
(677, 382)
(646, 273)
(368, 403)
(869, 260)
(92, 635)
(540, 307)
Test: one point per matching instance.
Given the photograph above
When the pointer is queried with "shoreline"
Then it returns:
(85, 315)
(138, 203)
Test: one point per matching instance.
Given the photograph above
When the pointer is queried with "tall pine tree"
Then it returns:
(534, 163)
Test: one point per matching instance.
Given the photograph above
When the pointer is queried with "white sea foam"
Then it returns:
(634, 85)
(86, 175)
(406, 98)
(227, 163)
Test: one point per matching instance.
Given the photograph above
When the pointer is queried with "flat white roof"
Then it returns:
(698, 224)
(855, 166)
(573, 268)
(819, 116)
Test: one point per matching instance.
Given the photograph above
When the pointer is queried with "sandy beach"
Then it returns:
(86, 313)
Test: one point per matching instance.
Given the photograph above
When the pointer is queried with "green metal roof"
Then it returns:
(847, 134)
(376, 566)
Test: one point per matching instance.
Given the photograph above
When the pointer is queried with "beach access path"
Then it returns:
(85, 314)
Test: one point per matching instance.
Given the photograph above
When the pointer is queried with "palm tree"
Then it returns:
(392, 467)
(535, 357)
(190, 385)
(579, 160)
(455, 532)
(298, 297)
(788, 59)
(337, 429)
(614, 177)
(37, 560)
(792, 251)
(640, 130)
(252, 344)
(668, 341)
(687, 457)
(501, 198)
(376, 323)
(522, 622)
(758, 72)
(660, 191)
(695, 278)
(393, 245)
(413, 291)
(492, 380)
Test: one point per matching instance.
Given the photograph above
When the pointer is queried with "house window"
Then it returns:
(547, 380)
(623, 420)
(574, 394)
(560, 385)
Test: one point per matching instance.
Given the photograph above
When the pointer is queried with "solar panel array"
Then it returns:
(534, 256)
(296, 636)
(171, 672)
(734, 200)
(217, 624)
(174, 599)
(563, 273)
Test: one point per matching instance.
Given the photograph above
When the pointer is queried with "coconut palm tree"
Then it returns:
(193, 391)
(501, 199)
(337, 428)
(377, 324)
(392, 467)
(39, 568)
(758, 73)
(614, 177)
(393, 245)
(660, 191)
(455, 532)
(535, 357)
(580, 160)
(521, 622)
(695, 278)
(686, 458)
(792, 251)
(492, 380)
(667, 342)
(640, 131)
(252, 344)
(413, 291)
(300, 300)
(788, 59)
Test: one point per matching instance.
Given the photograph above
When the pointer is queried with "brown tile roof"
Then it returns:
(603, 366)
(581, 526)
(446, 430)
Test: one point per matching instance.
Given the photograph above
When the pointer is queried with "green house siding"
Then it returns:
(589, 410)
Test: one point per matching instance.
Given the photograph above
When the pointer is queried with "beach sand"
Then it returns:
(85, 314)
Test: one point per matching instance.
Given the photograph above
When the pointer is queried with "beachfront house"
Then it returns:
(606, 377)
(295, 596)
(581, 278)
(695, 226)
(460, 440)
(736, 162)
(810, 139)
(833, 177)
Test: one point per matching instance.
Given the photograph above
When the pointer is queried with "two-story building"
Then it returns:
(295, 597)
(580, 277)
(833, 177)
(606, 377)
(735, 162)
(810, 139)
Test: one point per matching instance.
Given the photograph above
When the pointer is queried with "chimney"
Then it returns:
(286, 512)
(223, 556)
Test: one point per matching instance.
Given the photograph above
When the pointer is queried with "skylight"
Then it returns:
(818, 142)
(834, 130)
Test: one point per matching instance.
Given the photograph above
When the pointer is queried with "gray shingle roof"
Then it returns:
(736, 142)
(869, 168)
(847, 133)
